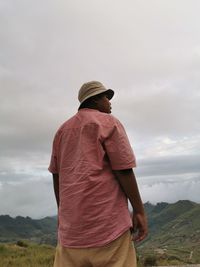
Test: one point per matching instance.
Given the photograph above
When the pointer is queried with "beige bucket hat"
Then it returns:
(93, 88)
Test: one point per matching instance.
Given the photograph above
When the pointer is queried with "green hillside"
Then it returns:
(177, 222)
(174, 233)
(39, 231)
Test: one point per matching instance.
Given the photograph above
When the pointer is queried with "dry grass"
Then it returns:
(29, 255)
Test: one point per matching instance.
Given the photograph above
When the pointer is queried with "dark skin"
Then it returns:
(128, 183)
(56, 187)
(126, 179)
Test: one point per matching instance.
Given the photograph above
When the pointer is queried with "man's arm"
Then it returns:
(128, 184)
(56, 187)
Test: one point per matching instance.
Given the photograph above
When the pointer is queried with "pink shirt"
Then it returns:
(93, 209)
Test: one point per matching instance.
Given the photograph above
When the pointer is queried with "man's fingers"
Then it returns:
(139, 236)
(139, 232)
(140, 227)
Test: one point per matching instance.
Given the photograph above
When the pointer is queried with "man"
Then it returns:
(91, 164)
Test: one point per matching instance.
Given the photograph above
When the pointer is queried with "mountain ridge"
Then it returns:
(37, 230)
(166, 221)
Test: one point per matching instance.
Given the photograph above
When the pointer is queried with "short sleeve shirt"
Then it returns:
(93, 210)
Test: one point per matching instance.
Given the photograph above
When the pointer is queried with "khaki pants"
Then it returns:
(118, 253)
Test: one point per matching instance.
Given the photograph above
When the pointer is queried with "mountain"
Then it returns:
(169, 224)
(39, 231)
(173, 222)
(174, 232)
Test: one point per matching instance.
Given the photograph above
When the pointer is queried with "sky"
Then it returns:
(148, 52)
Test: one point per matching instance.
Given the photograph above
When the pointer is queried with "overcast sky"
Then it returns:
(147, 51)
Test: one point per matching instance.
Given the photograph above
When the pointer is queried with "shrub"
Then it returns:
(150, 261)
(21, 243)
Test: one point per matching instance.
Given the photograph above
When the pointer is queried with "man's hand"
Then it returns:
(128, 184)
(140, 227)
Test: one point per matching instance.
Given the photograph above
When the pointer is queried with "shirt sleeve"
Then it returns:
(118, 148)
(53, 166)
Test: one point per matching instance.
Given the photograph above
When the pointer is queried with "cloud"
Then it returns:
(170, 111)
(171, 191)
(173, 165)
(169, 179)
(148, 53)
(28, 198)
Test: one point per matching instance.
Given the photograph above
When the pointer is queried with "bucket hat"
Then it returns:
(93, 88)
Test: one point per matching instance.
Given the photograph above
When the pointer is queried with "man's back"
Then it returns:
(93, 209)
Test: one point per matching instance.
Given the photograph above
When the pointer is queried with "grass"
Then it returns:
(171, 255)
(27, 255)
